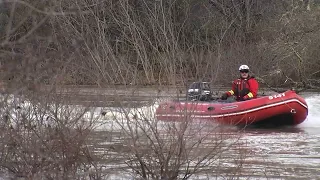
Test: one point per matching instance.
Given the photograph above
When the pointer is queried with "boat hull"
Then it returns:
(286, 108)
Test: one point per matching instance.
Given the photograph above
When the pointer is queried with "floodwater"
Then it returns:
(293, 152)
(283, 153)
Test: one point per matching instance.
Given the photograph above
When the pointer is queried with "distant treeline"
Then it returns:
(159, 42)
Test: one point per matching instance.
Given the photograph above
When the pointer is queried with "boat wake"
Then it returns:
(313, 118)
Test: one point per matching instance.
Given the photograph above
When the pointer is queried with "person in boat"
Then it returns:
(244, 88)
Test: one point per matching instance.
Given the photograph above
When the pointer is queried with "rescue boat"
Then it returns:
(279, 109)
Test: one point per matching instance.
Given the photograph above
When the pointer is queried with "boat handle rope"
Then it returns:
(293, 111)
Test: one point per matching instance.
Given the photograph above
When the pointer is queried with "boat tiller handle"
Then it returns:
(293, 111)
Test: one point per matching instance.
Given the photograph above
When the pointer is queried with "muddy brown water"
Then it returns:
(277, 153)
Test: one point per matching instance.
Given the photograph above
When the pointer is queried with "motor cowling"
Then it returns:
(199, 91)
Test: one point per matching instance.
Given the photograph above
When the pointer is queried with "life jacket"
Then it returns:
(241, 88)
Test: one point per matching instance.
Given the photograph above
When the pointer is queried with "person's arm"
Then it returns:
(253, 87)
(229, 93)
(233, 89)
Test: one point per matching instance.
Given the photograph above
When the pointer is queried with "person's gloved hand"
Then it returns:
(246, 97)
(224, 96)
(244, 92)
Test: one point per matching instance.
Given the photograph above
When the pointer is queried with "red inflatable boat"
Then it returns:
(286, 108)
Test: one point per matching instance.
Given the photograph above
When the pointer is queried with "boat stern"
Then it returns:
(300, 110)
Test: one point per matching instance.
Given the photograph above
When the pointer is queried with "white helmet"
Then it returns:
(244, 67)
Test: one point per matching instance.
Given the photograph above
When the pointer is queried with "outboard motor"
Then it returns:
(199, 91)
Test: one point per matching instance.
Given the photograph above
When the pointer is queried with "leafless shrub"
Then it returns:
(156, 42)
(154, 149)
(293, 52)
(45, 44)
(45, 139)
